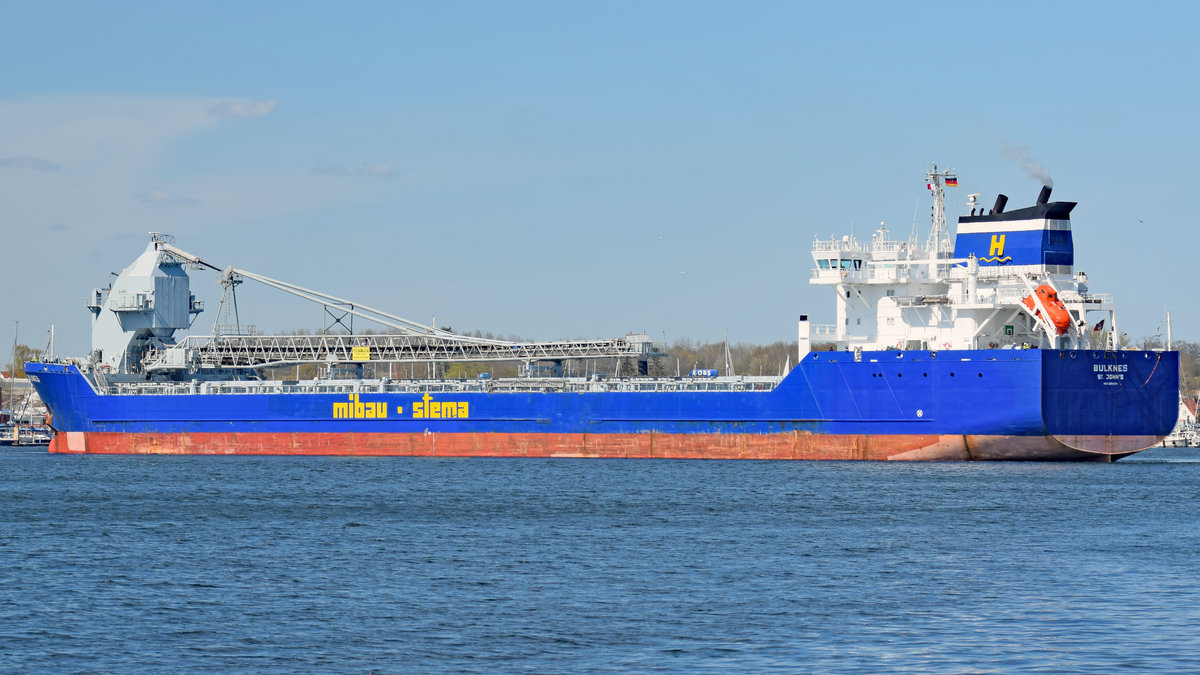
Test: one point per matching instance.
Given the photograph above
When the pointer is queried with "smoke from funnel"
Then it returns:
(1021, 155)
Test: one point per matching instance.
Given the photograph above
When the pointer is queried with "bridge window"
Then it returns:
(824, 264)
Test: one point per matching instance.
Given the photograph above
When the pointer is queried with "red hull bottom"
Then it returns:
(796, 445)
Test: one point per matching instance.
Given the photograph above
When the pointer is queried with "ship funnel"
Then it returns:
(1001, 200)
(1044, 196)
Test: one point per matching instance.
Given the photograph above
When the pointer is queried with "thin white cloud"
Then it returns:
(164, 197)
(111, 147)
(243, 108)
(364, 170)
(30, 163)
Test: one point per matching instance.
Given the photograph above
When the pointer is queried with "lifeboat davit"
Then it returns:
(1059, 315)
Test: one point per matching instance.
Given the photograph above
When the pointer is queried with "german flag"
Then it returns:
(951, 182)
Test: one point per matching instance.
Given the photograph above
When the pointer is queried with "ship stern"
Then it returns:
(1110, 403)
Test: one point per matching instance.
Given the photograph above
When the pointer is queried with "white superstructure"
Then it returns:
(979, 291)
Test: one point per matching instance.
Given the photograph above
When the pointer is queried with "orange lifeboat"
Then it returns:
(1059, 315)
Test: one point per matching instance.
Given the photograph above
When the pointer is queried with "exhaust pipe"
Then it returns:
(1001, 200)
(1044, 196)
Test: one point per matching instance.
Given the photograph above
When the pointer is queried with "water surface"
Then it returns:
(278, 564)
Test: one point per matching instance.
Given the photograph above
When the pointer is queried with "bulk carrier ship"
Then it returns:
(981, 345)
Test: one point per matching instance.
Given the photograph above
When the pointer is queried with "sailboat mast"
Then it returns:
(12, 383)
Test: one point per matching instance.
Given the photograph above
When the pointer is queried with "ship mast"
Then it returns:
(939, 236)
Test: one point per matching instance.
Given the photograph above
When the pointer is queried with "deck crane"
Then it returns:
(229, 347)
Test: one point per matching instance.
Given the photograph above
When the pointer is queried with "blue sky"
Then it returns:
(558, 169)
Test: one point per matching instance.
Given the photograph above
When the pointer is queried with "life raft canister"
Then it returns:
(1059, 315)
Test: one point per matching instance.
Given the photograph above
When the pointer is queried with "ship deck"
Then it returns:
(483, 386)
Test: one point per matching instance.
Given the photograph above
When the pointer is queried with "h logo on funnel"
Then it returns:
(996, 253)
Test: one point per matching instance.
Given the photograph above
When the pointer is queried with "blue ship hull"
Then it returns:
(919, 405)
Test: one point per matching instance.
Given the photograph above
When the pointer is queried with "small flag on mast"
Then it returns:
(1099, 326)
(952, 182)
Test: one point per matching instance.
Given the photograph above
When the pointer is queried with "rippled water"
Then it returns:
(277, 564)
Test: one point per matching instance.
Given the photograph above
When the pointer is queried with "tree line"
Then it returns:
(678, 358)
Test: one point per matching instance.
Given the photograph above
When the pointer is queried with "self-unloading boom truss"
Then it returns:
(407, 341)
